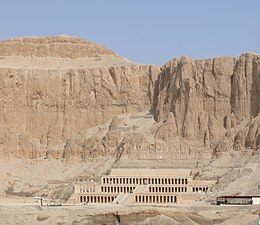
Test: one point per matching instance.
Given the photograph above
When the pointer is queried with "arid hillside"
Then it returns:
(52, 88)
(212, 103)
(67, 98)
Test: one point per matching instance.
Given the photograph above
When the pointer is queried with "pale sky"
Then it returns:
(145, 31)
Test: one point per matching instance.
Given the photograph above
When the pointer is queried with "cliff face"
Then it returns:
(64, 97)
(205, 101)
(56, 46)
(43, 107)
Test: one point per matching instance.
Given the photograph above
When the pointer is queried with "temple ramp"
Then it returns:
(123, 199)
(141, 189)
(128, 198)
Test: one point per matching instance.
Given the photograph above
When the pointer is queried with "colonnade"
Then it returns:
(117, 189)
(199, 189)
(96, 199)
(154, 189)
(87, 188)
(170, 189)
(155, 199)
(143, 180)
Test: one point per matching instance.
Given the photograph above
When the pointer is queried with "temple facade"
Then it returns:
(143, 186)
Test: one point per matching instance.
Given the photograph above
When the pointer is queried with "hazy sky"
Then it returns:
(145, 31)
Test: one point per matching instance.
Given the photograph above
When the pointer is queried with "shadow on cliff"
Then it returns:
(155, 97)
(163, 79)
(255, 89)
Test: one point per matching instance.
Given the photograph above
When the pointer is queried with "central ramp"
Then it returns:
(128, 198)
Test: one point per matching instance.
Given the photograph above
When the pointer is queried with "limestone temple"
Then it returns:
(143, 186)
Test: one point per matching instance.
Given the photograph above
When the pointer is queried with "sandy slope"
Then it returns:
(61, 63)
(110, 215)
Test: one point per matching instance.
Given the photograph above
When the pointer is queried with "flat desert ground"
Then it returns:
(26, 212)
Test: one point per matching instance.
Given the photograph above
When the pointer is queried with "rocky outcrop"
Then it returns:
(207, 99)
(42, 108)
(62, 97)
(244, 138)
(56, 46)
(53, 105)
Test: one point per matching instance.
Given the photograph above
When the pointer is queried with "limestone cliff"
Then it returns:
(42, 107)
(53, 46)
(206, 101)
(202, 108)
(65, 97)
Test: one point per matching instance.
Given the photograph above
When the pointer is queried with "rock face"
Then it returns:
(63, 97)
(211, 100)
(42, 108)
(56, 46)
